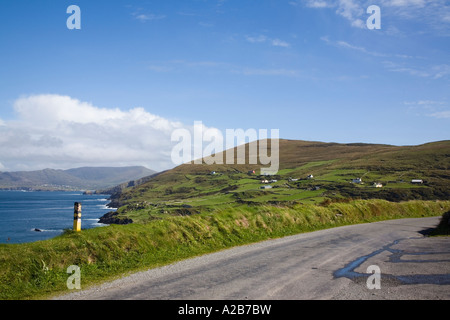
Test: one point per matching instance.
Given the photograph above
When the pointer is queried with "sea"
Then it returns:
(29, 216)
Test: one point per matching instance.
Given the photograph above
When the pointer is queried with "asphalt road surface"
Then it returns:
(327, 264)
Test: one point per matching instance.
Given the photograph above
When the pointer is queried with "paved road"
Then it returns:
(327, 264)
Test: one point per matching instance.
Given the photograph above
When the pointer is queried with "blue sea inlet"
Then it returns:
(21, 213)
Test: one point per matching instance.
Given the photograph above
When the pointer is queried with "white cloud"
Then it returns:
(430, 108)
(221, 2)
(403, 63)
(280, 43)
(264, 39)
(313, 3)
(54, 109)
(206, 24)
(317, 4)
(426, 104)
(411, 71)
(160, 68)
(352, 11)
(148, 17)
(139, 14)
(430, 102)
(358, 23)
(61, 132)
(258, 39)
(435, 13)
(404, 3)
(441, 115)
(441, 71)
(346, 45)
(433, 72)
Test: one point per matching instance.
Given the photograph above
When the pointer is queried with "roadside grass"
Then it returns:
(38, 270)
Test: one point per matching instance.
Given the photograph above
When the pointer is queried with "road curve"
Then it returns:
(327, 264)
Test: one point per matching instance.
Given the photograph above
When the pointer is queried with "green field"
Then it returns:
(203, 192)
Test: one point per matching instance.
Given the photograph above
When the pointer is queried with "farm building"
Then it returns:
(310, 176)
(266, 187)
(417, 181)
(358, 180)
(378, 185)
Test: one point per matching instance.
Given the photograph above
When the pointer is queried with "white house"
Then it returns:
(358, 180)
(378, 185)
(310, 176)
(266, 187)
(417, 181)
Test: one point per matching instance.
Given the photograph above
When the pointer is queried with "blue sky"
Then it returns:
(310, 68)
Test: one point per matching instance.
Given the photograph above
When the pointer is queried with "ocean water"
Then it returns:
(52, 212)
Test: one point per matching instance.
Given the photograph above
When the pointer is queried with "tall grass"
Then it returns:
(38, 270)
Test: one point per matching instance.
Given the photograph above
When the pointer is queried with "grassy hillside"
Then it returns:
(190, 189)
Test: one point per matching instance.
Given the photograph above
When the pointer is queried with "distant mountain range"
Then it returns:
(86, 178)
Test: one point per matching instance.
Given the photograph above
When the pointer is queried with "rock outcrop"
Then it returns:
(112, 217)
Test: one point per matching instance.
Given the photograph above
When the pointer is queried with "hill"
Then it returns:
(331, 167)
(72, 179)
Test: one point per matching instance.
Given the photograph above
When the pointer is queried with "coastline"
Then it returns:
(23, 213)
